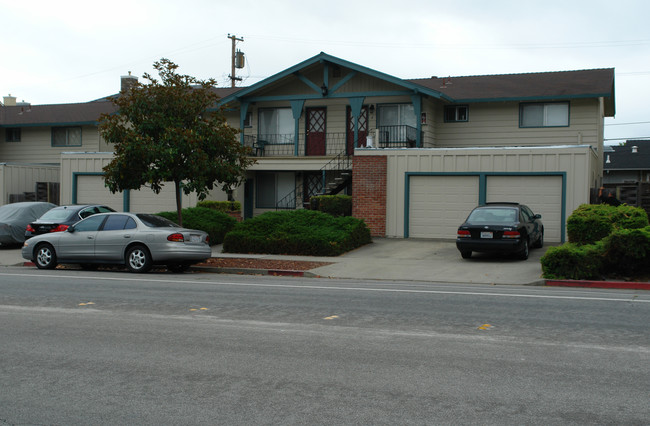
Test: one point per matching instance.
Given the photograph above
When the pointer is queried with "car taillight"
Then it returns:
(207, 240)
(30, 229)
(60, 228)
(176, 237)
(511, 234)
(464, 234)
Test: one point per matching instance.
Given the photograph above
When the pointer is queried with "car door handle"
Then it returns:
(90, 237)
(127, 236)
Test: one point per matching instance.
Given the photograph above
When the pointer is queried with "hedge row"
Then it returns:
(303, 232)
(590, 223)
(214, 222)
(336, 205)
(603, 240)
(221, 206)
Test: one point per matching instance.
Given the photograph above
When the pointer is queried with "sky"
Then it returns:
(70, 51)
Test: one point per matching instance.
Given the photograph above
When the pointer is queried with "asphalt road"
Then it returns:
(116, 348)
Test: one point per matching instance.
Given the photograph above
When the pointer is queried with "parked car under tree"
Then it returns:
(137, 241)
(505, 228)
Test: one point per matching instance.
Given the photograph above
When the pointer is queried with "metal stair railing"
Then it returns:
(342, 162)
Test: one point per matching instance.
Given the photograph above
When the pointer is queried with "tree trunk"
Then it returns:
(177, 189)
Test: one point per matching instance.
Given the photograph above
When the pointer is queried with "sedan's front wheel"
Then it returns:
(138, 259)
(45, 257)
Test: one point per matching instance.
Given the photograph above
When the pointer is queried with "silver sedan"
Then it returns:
(138, 241)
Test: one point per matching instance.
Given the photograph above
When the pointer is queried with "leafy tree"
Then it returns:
(172, 131)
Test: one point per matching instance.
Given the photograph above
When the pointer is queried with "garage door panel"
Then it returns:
(543, 194)
(438, 204)
(91, 190)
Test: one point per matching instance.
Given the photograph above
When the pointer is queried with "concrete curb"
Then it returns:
(623, 285)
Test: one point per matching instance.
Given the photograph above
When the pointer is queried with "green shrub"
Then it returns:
(215, 223)
(302, 232)
(222, 206)
(336, 205)
(573, 261)
(590, 223)
(627, 251)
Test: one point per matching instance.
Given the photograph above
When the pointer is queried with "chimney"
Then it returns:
(9, 100)
(128, 81)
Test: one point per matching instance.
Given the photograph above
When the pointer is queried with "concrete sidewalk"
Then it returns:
(400, 260)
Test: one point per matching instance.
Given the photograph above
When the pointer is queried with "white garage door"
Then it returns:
(438, 204)
(543, 194)
(91, 190)
(145, 200)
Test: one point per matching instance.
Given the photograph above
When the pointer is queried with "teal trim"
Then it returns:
(355, 109)
(296, 109)
(323, 58)
(308, 82)
(533, 98)
(482, 196)
(326, 77)
(126, 199)
(330, 95)
(342, 81)
(242, 119)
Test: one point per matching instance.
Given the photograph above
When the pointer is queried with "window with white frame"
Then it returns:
(271, 187)
(456, 113)
(276, 125)
(549, 114)
(66, 136)
(396, 115)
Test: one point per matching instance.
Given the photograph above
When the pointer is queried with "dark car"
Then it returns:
(14, 218)
(507, 228)
(60, 218)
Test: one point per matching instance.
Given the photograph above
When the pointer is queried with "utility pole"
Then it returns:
(235, 55)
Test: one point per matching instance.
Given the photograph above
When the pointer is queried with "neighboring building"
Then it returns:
(627, 172)
(416, 155)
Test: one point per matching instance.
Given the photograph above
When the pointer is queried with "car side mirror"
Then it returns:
(537, 216)
(70, 229)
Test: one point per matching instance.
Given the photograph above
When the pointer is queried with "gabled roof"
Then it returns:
(623, 157)
(559, 85)
(325, 58)
(54, 115)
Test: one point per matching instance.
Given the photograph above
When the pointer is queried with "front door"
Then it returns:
(363, 129)
(315, 141)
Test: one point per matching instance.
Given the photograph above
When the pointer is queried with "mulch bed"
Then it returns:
(253, 263)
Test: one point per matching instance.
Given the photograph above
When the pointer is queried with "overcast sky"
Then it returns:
(75, 51)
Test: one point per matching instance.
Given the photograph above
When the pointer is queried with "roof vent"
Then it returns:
(608, 161)
(635, 149)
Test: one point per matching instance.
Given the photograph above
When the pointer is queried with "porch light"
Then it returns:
(323, 89)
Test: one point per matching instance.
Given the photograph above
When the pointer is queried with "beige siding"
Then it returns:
(36, 145)
(576, 161)
(20, 178)
(497, 124)
(145, 200)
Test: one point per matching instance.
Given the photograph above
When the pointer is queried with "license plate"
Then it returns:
(195, 238)
(487, 235)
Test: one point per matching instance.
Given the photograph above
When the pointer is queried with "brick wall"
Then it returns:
(369, 192)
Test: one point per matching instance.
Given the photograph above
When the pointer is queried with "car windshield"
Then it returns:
(493, 215)
(153, 221)
(55, 215)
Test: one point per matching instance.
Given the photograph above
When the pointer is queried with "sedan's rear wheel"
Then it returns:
(45, 257)
(523, 255)
(466, 254)
(138, 259)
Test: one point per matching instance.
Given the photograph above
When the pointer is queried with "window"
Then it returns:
(91, 224)
(554, 114)
(273, 187)
(248, 121)
(454, 114)
(396, 115)
(12, 134)
(276, 125)
(118, 222)
(66, 136)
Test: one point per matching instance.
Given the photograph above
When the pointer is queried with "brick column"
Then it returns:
(369, 192)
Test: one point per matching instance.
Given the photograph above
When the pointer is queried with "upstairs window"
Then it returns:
(276, 125)
(66, 136)
(396, 115)
(552, 114)
(456, 113)
(12, 134)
